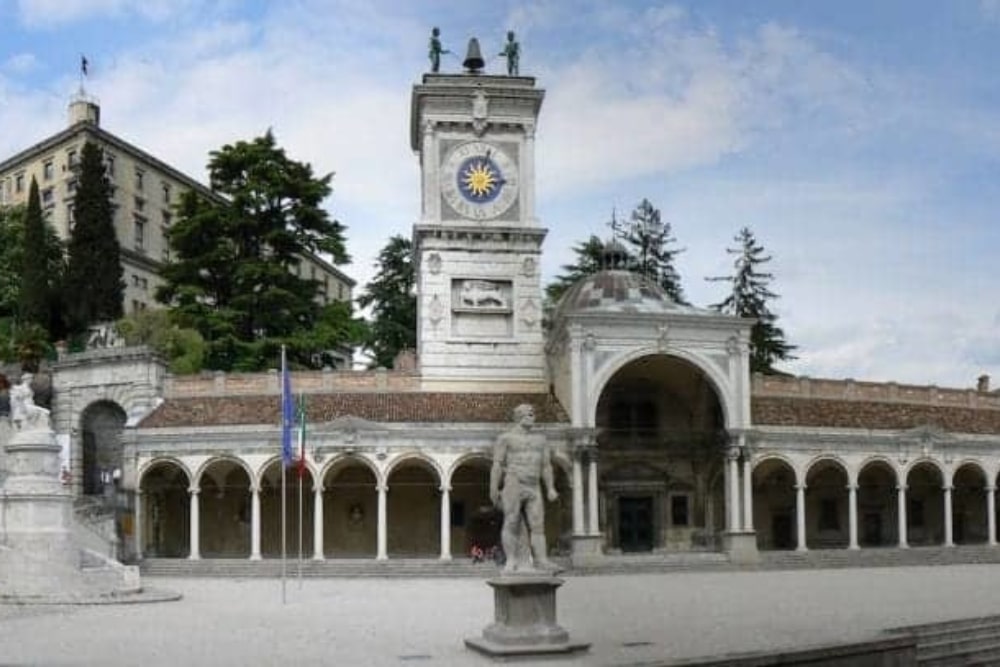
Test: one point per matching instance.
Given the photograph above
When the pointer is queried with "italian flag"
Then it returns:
(301, 430)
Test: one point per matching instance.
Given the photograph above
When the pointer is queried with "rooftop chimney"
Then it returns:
(83, 109)
(983, 384)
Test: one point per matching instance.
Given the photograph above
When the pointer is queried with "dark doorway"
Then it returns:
(871, 531)
(781, 530)
(635, 524)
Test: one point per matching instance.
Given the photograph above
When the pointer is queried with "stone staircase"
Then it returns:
(973, 641)
(403, 566)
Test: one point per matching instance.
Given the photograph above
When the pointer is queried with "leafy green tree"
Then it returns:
(11, 260)
(183, 349)
(393, 324)
(750, 295)
(93, 289)
(650, 239)
(234, 276)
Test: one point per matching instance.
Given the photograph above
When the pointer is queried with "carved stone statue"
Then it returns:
(435, 50)
(23, 412)
(522, 461)
(512, 52)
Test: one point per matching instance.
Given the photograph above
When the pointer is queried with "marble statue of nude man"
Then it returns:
(521, 463)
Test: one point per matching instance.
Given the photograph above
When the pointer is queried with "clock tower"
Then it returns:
(478, 243)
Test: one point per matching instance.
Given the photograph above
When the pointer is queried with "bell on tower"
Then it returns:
(474, 62)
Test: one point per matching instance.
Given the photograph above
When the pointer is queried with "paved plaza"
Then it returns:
(640, 619)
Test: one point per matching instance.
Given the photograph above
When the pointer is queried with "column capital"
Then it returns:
(194, 490)
(381, 488)
(732, 452)
(445, 488)
(901, 487)
(801, 487)
(318, 488)
(853, 486)
(948, 487)
(990, 488)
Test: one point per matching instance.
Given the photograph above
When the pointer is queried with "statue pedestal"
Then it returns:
(525, 619)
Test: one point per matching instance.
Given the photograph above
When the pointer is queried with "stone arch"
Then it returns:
(474, 519)
(878, 510)
(775, 456)
(969, 503)
(413, 507)
(101, 425)
(160, 460)
(774, 480)
(715, 376)
(826, 499)
(199, 472)
(925, 521)
(350, 506)
(165, 509)
(224, 484)
(829, 458)
(298, 495)
(409, 458)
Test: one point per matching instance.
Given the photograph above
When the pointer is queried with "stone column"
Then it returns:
(991, 515)
(852, 516)
(577, 495)
(445, 522)
(800, 517)
(747, 493)
(528, 172)
(949, 538)
(901, 514)
(733, 491)
(382, 553)
(255, 522)
(318, 553)
(195, 524)
(138, 524)
(592, 528)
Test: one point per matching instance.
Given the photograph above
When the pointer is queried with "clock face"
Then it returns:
(479, 180)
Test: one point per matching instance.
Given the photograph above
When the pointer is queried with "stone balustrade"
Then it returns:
(772, 386)
(308, 382)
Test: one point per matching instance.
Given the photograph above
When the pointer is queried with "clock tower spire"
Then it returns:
(478, 243)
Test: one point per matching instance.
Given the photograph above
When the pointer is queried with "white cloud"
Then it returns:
(49, 13)
(20, 63)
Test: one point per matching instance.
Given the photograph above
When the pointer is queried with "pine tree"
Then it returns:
(93, 289)
(589, 260)
(650, 239)
(749, 297)
(33, 302)
(234, 277)
(393, 324)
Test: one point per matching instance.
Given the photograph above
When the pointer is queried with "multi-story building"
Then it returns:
(144, 190)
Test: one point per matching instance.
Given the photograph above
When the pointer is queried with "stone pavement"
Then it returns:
(630, 619)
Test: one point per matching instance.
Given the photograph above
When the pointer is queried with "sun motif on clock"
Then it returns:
(481, 181)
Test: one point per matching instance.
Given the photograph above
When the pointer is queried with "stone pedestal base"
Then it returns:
(587, 550)
(525, 620)
(741, 547)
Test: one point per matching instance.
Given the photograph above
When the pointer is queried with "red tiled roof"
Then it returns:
(374, 406)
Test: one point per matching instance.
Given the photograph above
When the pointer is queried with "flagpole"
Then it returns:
(284, 429)
(301, 478)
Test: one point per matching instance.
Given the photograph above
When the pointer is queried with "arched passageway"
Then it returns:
(350, 510)
(877, 505)
(924, 505)
(474, 519)
(413, 509)
(101, 426)
(165, 511)
(298, 494)
(660, 435)
(969, 499)
(827, 506)
(774, 505)
(224, 503)
(559, 515)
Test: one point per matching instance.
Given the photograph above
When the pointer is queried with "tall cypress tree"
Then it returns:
(94, 288)
(749, 296)
(393, 327)
(33, 302)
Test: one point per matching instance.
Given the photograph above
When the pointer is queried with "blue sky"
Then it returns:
(859, 140)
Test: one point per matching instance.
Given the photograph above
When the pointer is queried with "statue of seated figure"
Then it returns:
(23, 412)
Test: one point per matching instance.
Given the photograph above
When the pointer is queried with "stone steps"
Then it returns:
(974, 641)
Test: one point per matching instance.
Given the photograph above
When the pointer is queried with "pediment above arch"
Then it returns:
(348, 424)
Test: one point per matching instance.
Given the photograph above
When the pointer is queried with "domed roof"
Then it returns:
(617, 291)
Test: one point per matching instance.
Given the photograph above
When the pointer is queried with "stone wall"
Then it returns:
(309, 382)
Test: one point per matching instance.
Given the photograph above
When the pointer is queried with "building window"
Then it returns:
(19, 183)
(167, 219)
(71, 158)
(48, 171)
(71, 186)
(829, 518)
(139, 232)
(166, 193)
(70, 218)
(109, 165)
(47, 197)
(140, 204)
(139, 174)
(679, 510)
